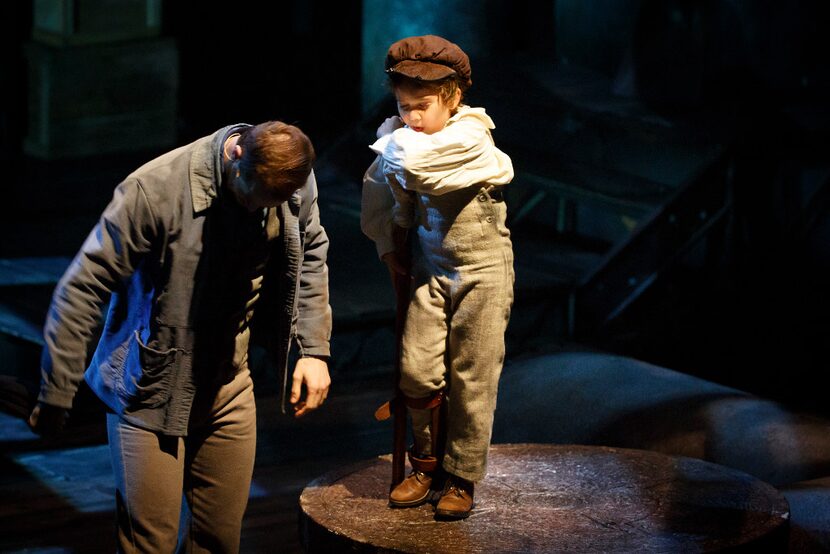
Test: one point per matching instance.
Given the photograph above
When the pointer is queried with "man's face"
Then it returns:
(253, 196)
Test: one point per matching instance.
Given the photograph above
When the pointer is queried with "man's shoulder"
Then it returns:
(167, 165)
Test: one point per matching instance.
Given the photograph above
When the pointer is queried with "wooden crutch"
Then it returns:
(396, 408)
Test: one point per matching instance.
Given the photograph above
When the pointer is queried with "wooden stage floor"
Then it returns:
(57, 496)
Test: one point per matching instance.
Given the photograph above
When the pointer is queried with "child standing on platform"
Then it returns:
(439, 175)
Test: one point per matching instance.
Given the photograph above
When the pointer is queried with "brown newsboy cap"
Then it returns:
(429, 58)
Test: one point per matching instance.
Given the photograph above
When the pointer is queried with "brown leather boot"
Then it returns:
(456, 499)
(415, 489)
(412, 491)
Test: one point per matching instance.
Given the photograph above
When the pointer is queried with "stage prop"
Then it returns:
(555, 498)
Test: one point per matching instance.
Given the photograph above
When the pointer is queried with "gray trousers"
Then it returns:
(212, 466)
(454, 333)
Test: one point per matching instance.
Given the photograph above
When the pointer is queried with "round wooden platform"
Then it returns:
(552, 498)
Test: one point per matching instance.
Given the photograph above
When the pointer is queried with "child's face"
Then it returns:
(422, 110)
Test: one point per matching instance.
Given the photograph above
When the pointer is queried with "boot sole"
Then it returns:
(451, 514)
(409, 503)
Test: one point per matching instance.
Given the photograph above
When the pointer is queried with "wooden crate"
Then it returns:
(101, 98)
(74, 22)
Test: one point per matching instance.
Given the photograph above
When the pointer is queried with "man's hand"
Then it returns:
(314, 373)
(47, 420)
(389, 126)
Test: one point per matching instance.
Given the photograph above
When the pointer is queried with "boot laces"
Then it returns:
(454, 488)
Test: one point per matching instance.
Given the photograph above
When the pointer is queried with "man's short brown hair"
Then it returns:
(276, 154)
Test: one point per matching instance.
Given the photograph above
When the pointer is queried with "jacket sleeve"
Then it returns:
(376, 208)
(314, 311)
(110, 254)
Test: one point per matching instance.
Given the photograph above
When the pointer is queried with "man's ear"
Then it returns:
(237, 152)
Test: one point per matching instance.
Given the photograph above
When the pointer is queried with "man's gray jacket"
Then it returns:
(150, 258)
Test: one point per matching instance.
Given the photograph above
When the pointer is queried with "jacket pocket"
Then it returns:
(151, 384)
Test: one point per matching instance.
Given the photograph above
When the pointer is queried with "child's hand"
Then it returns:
(389, 125)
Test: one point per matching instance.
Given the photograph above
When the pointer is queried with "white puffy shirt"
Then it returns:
(460, 155)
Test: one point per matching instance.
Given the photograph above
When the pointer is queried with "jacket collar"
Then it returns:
(206, 167)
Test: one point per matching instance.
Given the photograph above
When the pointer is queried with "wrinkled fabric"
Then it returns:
(461, 155)
(453, 338)
(447, 187)
(212, 466)
(155, 262)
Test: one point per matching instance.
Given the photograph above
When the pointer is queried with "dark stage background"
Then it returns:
(671, 205)
(582, 93)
